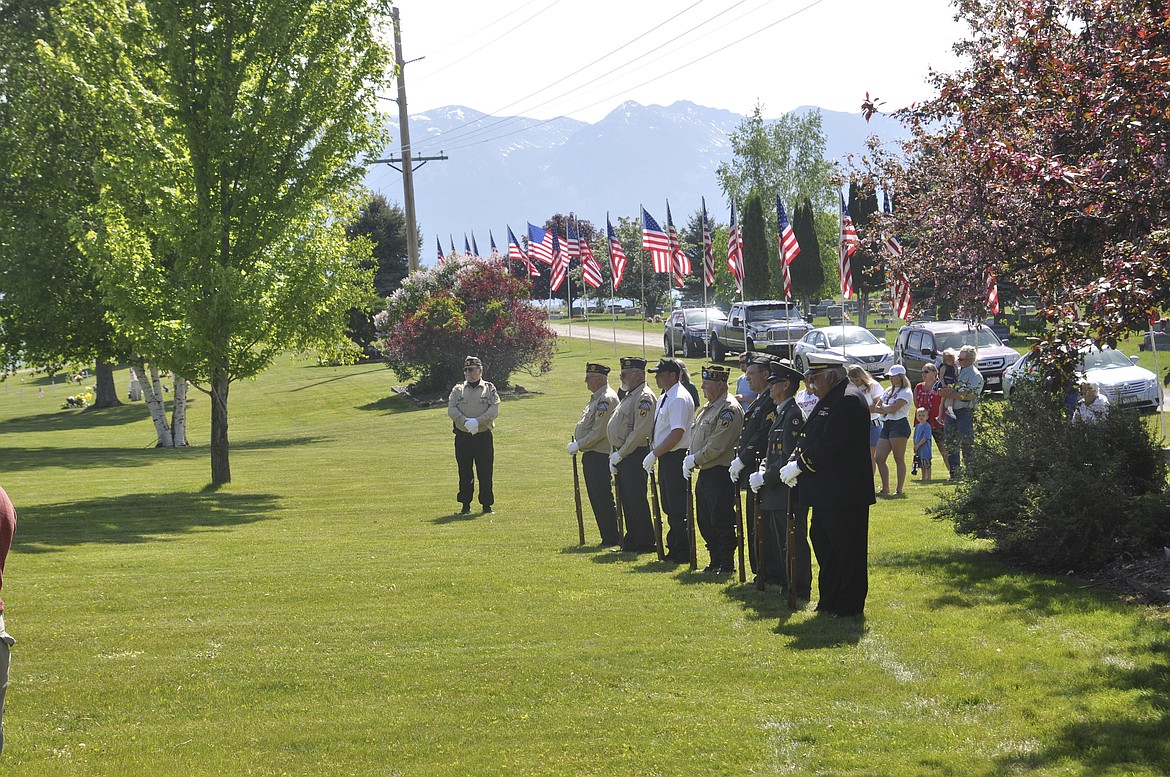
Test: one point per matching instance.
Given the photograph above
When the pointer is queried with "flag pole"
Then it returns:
(642, 267)
(612, 286)
(1157, 369)
(706, 315)
(568, 279)
(841, 262)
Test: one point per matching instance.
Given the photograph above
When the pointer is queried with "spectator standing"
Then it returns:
(894, 405)
(1092, 406)
(960, 423)
(926, 397)
(591, 439)
(922, 437)
(870, 391)
(473, 407)
(744, 393)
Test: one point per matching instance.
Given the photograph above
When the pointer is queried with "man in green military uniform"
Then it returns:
(714, 443)
(629, 430)
(591, 439)
(473, 407)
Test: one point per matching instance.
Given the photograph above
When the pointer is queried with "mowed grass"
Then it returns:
(329, 613)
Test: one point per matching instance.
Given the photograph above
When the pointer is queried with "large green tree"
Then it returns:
(808, 273)
(384, 224)
(219, 229)
(869, 276)
(757, 279)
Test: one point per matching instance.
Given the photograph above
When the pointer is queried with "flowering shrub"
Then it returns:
(466, 306)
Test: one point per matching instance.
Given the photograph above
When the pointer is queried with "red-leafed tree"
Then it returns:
(465, 306)
(1045, 160)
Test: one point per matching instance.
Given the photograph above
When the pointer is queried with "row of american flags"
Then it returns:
(666, 254)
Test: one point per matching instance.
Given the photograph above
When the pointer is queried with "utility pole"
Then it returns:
(404, 131)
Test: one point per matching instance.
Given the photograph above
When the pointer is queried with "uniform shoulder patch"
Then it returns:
(645, 404)
(602, 406)
(727, 415)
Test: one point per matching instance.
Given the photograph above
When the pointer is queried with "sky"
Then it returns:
(583, 58)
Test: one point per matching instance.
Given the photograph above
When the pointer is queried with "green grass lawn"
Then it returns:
(328, 614)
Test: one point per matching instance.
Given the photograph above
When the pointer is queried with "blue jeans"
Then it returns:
(960, 435)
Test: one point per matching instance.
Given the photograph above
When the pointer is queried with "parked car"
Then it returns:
(772, 326)
(1120, 379)
(855, 343)
(920, 342)
(688, 329)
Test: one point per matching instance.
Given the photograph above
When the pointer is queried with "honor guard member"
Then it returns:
(629, 428)
(776, 499)
(591, 439)
(833, 475)
(714, 443)
(473, 407)
(753, 445)
(672, 437)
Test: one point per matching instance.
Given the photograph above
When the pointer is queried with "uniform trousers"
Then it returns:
(672, 489)
(631, 480)
(775, 561)
(749, 517)
(479, 451)
(597, 485)
(715, 515)
(840, 539)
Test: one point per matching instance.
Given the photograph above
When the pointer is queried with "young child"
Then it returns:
(922, 437)
(948, 376)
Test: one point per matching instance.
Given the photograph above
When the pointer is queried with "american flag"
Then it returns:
(992, 292)
(590, 269)
(786, 242)
(467, 246)
(890, 241)
(656, 242)
(514, 250)
(680, 263)
(735, 253)
(572, 243)
(439, 245)
(474, 245)
(900, 291)
(495, 255)
(708, 250)
(849, 244)
(560, 266)
(539, 244)
(452, 238)
(617, 257)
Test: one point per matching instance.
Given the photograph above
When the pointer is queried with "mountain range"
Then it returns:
(508, 171)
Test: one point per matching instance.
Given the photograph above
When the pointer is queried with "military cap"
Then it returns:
(815, 362)
(783, 370)
(716, 372)
(667, 365)
(597, 369)
(763, 360)
(472, 361)
(633, 363)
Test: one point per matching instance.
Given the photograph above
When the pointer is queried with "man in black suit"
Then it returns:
(757, 421)
(835, 478)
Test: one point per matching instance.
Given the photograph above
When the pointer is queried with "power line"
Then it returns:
(639, 86)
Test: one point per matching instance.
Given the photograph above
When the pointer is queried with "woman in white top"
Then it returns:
(894, 406)
(863, 384)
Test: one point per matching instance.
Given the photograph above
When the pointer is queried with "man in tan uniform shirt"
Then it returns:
(473, 407)
(714, 443)
(591, 439)
(629, 433)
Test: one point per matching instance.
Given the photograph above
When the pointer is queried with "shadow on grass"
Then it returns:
(29, 459)
(1116, 742)
(346, 376)
(90, 418)
(822, 632)
(267, 443)
(135, 518)
(395, 403)
(457, 517)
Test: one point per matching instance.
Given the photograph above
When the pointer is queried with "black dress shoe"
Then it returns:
(487, 510)
(466, 510)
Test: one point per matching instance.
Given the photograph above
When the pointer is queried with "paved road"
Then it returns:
(602, 335)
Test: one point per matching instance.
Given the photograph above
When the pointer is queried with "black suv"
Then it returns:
(924, 341)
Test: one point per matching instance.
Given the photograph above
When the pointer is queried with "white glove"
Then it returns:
(472, 425)
(613, 470)
(688, 465)
(573, 447)
(735, 468)
(648, 462)
(615, 458)
(789, 473)
(756, 481)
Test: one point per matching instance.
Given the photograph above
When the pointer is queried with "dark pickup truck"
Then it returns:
(772, 326)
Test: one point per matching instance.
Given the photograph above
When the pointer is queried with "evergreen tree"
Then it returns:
(808, 274)
(757, 283)
(869, 277)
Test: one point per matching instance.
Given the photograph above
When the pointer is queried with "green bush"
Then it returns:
(1058, 495)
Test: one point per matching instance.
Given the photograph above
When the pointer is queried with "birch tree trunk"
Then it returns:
(179, 412)
(151, 393)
